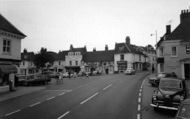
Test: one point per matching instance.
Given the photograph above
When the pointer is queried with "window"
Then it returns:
(6, 46)
(139, 57)
(76, 62)
(174, 51)
(161, 51)
(122, 57)
(59, 62)
(70, 62)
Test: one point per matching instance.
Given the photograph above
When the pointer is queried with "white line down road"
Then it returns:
(107, 87)
(89, 98)
(66, 113)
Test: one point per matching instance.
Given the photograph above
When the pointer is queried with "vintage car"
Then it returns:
(184, 110)
(169, 94)
(129, 71)
(154, 81)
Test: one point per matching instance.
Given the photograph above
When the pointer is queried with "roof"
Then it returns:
(182, 32)
(61, 55)
(99, 56)
(28, 56)
(5, 25)
(127, 48)
(82, 50)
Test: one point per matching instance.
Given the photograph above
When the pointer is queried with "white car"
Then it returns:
(130, 71)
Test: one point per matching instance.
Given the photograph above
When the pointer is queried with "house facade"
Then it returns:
(10, 52)
(10, 42)
(101, 61)
(173, 49)
(128, 56)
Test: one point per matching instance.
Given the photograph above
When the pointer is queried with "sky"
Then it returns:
(55, 24)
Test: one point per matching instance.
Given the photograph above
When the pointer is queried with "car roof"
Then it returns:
(186, 101)
(175, 79)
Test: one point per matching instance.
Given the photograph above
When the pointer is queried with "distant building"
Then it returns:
(173, 49)
(128, 56)
(27, 63)
(60, 63)
(74, 58)
(101, 61)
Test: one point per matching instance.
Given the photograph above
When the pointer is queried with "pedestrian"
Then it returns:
(69, 74)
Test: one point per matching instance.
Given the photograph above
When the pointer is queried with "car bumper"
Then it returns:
(164, 107)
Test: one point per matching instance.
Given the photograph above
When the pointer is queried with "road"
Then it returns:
(97, 97)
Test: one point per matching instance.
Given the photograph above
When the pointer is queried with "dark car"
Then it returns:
(169, 94)
(154, 81)
(184, 110)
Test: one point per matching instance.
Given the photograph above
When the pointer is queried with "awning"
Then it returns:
(8, 68)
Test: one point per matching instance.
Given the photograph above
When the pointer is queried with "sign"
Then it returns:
(188, 49)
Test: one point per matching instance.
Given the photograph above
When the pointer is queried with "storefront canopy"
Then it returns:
(7, 68)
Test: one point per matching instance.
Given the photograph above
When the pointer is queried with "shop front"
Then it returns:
(7, 75)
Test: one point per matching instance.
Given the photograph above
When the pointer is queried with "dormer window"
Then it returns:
(71, 53)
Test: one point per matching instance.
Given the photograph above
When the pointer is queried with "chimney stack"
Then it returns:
(71, 47)
(185, 15)
(168, 29)
(127, 40)
(94, 49)
(106, 48)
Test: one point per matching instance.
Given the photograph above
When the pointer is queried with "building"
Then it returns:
(173, 49)
(10, 51)
(128, 56)
(150, 52)
(27, 66)
(101, 61)
(74, 59)
(60, 63)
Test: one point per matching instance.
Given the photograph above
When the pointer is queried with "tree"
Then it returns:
(42, 58)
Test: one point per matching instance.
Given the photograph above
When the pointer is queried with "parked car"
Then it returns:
(169, 94)
(129, 71)
(154, 81)
(184, 110)
(65, 75)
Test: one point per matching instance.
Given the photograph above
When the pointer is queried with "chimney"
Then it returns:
(168, 29)
(185, 15)
(71, 47)
(106, 48)
(94, 49)
(127, 40)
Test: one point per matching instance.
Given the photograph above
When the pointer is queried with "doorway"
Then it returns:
(187, 71)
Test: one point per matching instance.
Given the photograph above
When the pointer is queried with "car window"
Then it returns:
(184, 111)
(170, 84)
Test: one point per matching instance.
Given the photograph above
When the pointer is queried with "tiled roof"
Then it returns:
(121, 48)
(5, 25)
(99, 56)
(182, 32)
(127, 48)
(61, 55)
(82, 50)
(29, 56)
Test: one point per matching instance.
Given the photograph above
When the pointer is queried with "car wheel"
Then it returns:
(156, 108)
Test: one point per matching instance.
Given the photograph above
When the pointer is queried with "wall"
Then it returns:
(15, 48)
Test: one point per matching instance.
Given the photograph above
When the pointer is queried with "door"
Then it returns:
(187, 71)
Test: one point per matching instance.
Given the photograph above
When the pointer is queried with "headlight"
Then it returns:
(178, 98)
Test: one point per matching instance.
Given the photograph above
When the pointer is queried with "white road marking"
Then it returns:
(12, 112)
(66, 113)
(62, 93)
(32, 105)
(140, 90)
(107, 87)
(139, 107)
(140, 94)
(139, 100)
(89, 98)
(61, 90)
(50, 98)
(138, 116)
